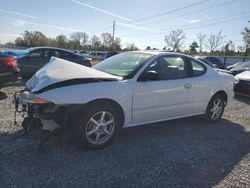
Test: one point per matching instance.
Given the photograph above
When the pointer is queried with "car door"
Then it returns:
(32, 62)
(202, 85)
(169, 97)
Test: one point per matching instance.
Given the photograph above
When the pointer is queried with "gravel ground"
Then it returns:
(181, 153)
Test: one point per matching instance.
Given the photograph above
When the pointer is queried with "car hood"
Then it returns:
(59, 72)
(244, 76)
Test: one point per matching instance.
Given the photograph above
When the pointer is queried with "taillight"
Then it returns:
(11, 61)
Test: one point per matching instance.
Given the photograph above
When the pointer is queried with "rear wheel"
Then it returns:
(97, 126)
(215, 109)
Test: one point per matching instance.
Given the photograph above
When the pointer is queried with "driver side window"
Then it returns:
(169, 67)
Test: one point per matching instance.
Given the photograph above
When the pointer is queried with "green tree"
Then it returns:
(193, 47)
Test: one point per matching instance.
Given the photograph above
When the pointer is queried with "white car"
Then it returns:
(128, 89)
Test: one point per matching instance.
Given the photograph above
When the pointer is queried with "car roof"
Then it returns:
(159, 52)
(53, 48)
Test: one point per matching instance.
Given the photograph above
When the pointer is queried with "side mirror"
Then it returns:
(150, 75)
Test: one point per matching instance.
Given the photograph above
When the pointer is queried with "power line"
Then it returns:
(104, 29)
(192, 12)
(203, 25)
(174, 10)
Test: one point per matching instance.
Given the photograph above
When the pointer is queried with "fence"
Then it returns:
(229, 60)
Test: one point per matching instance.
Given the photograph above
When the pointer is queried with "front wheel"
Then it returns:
(215, 109)
(97, 126)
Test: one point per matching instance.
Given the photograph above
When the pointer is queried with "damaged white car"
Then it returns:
(128, 89)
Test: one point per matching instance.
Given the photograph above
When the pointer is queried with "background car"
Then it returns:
(204, 61)
(9, 71)
(39, 56)
(234, 65)
(239, 68)
(215, 61)
(243, 85)
(100, 55)
(17, 53)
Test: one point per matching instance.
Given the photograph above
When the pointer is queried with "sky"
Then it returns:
(142, 22)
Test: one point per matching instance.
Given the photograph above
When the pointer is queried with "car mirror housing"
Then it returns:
(150, 75)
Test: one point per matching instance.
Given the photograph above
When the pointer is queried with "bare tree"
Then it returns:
(95, 42)
(107, 40)
(246, 37)
(214, 41)
(175, 39)
(201, 37)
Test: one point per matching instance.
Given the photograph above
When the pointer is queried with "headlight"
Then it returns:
(28, 97)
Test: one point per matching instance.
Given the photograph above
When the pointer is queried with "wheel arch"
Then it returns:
(221, 93)
(111, 102)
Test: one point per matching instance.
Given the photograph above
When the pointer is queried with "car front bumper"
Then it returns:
(242, 88)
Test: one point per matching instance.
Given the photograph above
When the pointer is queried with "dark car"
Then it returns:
(215, 61)
(239, 68)
(39, 56)
(243, 85)
(9, 72)
(204, 61)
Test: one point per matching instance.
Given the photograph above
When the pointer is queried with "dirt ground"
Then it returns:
(181, 153)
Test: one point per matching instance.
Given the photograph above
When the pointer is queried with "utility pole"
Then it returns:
(113, 36)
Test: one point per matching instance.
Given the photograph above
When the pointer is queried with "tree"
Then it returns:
(175, 39)
(229, 48)
(214, 41)
(95, 42)
(130, 47)
(31, 39)
(107, 40)
(246, 38)
(201, 37)
(193, 47)
(117, 44)
(148, 48)
(62, 41)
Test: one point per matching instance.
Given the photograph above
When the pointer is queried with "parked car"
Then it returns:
(239, 68)
(16, 53)
(215, 61)
(128, 89)
(39, 56)
(243, 85)
(234, 65)
(100, 55)
(211, 65)
(204, 61)
(9, 72)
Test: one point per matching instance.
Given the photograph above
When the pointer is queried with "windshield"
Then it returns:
(124, 64)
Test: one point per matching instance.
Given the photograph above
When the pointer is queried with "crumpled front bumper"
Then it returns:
(21, 100)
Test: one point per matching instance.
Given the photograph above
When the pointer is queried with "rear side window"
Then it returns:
(36, 53)
(197, 68)
(170, 67)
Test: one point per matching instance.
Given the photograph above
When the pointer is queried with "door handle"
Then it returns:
(187, 85)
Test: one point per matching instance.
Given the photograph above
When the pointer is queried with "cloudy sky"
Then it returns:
(141, 22)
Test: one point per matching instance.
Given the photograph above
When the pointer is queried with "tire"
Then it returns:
(95, 127)
(215, 109)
